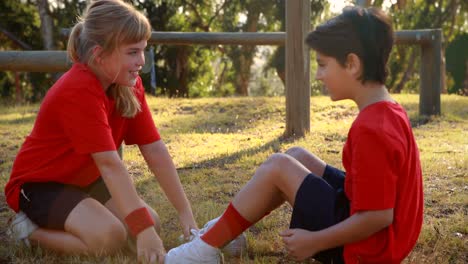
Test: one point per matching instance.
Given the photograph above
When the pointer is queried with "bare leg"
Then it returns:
(275, 181)
(313, 163)
(89, 228)
(113, 208)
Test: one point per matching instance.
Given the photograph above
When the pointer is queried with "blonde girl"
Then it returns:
(71, 191)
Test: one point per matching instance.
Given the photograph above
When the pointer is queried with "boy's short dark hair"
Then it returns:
(366, 32)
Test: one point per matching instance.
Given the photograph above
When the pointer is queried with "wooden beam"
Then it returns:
(34, 61)
(297, 61)
(212, 38)
(419, 36)
(297, 68)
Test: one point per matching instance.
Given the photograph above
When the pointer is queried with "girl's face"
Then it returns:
(334, 76)
(122, 66)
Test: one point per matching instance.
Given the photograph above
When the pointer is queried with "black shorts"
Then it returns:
(320, 203)
(48, 204)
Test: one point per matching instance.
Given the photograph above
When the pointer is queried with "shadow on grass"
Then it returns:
(20, 120)
(450, 109)
(219, 117)
(223, 160)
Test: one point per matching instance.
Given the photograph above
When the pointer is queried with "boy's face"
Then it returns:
(123, 65)
(334, 77)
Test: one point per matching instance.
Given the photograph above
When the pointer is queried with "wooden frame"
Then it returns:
(297, 60)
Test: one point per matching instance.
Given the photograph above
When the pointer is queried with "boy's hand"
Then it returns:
(299, 243)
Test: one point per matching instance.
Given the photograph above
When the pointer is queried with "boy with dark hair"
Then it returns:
(374, 214)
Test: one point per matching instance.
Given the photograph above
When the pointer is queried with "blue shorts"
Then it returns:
(320, 203)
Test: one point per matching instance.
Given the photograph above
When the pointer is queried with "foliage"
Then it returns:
(457, 64)
(449, 15)
(319, 11)
(182, 71)
(217, 143)
(225, 70)
(22, 21)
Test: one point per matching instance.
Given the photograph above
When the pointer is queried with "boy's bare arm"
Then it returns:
(302, 243)
(357, 227)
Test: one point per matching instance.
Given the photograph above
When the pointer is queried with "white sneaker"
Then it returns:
(195, 251)
(236, 247)
(20, 228)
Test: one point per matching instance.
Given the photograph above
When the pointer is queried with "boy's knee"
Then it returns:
(277, 162)
(297, 152)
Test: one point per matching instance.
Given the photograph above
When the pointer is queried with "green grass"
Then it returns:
(217, 143)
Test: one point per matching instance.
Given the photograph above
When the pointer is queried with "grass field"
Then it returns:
(217, 143)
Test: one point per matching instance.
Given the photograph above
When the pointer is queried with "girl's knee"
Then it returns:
(157, 221)
(110, 237)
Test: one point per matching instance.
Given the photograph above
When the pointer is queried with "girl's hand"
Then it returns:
(187, 222)
(150, 248)
(299, 243)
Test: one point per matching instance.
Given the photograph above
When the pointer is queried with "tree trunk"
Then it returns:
(243, 76)
(363, 3)
(407, 74)
(47, 25)
(247, 56)
(281, 75)
(464, 91)
(222, 77)
(182, 72)
(443, 74)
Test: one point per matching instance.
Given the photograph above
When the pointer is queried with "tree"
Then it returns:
(181, 67)
(47, 26)
(277, 61)
(19, 24)
(457, 64)
(449, 15)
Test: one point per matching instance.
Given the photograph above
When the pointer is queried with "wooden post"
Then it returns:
(431, 71)
(297, 68)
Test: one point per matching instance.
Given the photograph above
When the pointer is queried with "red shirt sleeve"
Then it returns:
(141, 129)
(85, 122)
(375, 162)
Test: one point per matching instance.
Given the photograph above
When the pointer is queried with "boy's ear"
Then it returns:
(354, 65)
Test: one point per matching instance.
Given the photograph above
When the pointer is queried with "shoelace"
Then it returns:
(194, 233)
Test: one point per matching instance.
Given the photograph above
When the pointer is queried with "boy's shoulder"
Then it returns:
(385, 119)
(381, 114)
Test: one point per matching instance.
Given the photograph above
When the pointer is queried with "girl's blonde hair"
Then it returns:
(109, 24)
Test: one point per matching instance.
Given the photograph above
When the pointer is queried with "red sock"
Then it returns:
(229, 226)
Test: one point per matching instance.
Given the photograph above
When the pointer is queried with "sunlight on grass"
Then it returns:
(217, 143)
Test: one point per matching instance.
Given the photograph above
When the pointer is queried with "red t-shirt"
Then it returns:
(76, 118)
(383, 171)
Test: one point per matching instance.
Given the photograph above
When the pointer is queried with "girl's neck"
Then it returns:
(100, 76)
(370, 93)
